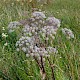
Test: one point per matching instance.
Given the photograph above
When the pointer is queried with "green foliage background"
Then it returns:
(15, 66)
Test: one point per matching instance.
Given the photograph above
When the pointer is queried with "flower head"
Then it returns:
(38, 15)
(13, 25)
(52, 21)
(68, 33)
(4, 35)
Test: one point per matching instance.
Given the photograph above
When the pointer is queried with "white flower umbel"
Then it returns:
(52, 50)
(13, 25)
(38, 33)
(48, 31)
(38, 15)
(69, 34)
(52, 21)
(38, 25)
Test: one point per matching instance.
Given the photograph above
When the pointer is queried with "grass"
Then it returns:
(15, 66)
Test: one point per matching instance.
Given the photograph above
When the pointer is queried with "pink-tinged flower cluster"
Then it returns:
(38, 15)
(13, 25)
(34, 40)
(52, 21)
(69, 34)
(31, 42)
(29, 46)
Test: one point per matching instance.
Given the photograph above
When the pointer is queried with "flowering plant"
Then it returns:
(35, 35)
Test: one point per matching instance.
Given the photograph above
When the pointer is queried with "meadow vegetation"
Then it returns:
(15, 65)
